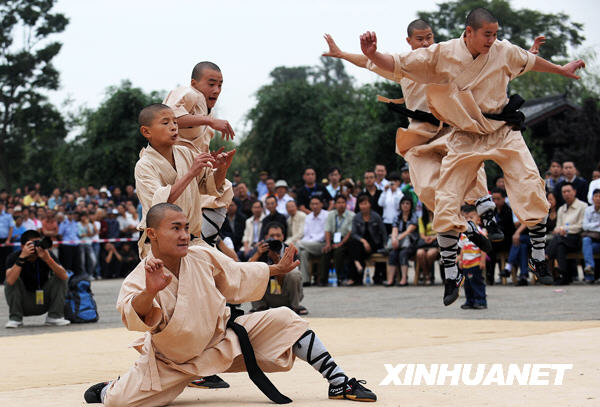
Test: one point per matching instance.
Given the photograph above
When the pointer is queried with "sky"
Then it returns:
(155, 44)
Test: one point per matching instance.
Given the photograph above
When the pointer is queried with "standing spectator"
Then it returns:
(97, 218)
(7, 226)
(131, 196)
(83, 196)
(133, 220)
(295, 223)
(117, 196)
(555, 175)
(567, 234)
(389, 200)
(69, 250)
(29, 220)
(270, 183)
(334, 177)
(471, 261)
(570, 175)
(313, 241)
(311, 189)
(347, 189)
(380, 174)
(281, 193)
(50, 229)
(18, 231)
(404, 238)
(591, 235)
(368, 235)
(233, 227)
(252, 229)
(30, 198)
(338, 228)
(244, 199)
(93, 194)
(428, 250)
(261, 186)
(33, 274)
(54, 199)
(372, 192)
(86, 231)
(273, 216)
(103, 197)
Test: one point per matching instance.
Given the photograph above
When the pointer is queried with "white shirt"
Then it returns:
(281, 204)
(314, 227)
(381, 185)
(595, 184)
(390, 202)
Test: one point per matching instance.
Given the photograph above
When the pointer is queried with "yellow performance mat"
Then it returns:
(55, 369)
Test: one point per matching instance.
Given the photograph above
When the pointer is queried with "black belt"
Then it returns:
(511, 113)
(256, 375)
(414, 114)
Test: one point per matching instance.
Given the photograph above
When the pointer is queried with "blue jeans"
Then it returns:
(519, 255)
(474, 286)
(589, 247)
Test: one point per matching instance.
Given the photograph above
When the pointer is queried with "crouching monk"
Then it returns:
(162, 297)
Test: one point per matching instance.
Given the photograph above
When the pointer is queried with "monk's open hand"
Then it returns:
(570, 68)
(224, 127)
(537, 43)
(287, 262)
(224, 159)
(201, 161)
(334, 50)
(157, 277)
(368, 44)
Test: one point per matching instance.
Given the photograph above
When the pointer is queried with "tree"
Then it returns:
(108, 147)
(25, 69)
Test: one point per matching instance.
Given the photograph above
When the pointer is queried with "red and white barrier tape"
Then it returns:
(75, 242)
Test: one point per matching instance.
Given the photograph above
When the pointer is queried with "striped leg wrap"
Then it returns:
(448, 242)
(537, 236)
(322, 361)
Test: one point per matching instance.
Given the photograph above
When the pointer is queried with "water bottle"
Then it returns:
(330, 278)
(567, 228)
(368, 277)
(333, 277)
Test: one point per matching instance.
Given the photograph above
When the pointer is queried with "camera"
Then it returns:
(44, 243)
(274, 245)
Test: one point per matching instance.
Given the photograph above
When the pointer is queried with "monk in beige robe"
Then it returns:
(177, 297)
(167, 172)
(466, 78)
(193, 107)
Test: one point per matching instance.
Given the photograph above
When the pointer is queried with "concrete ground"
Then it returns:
(363, 327)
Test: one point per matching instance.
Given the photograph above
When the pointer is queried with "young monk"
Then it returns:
(466, 81)
(162, 296)
(423, 144)
(193, 107)
(167, 172)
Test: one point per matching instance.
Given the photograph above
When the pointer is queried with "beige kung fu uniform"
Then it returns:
(154, 176)
(185, 333)
(188, 100)
(423, 145)
(459, 88)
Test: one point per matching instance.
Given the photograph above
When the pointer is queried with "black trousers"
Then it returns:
(558, 249)
(70, 258)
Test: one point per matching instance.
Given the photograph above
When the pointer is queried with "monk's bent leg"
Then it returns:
(126, 390)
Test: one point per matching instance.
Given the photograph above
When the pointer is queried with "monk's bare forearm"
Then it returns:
(179, 186)
(541, 65)
(357, 59)
(194, 120)
(383, 61)
(142, 303)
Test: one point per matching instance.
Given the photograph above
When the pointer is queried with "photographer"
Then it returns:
(35, 282)
(282, 291)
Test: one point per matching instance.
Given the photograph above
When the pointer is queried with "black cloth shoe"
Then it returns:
(466, 306)
(452, 288)
(522, 282)
(540, 271)
(209, 382)
(479, 306)
(92, 395)
(352, 390)
(495, 234)
(478, 239)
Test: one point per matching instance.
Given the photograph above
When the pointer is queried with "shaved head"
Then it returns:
(417, 24)
(201, 66)
(157, 213)
(147, 114)
(478, 17)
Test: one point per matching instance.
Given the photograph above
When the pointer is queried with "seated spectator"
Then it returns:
(506, 222)
(552, 214)
(252, 230)
(244, 199)
(594, 185)
(338, 228)
(428, 250)
(283, 290)
(580, 184)
(233, 226)
(567, 234)
(281, 193)
(69, 250)
(389, 200)
(404, 238)
(313, 241)
(270, 185)
(334, 176)
(18, 231)
(310, 189)
(591, 236)
(555, 175)
(368, 236)
(518, 255)
(471, 261)
(372, 192)
(295, 223)
(54, 199)
(347, 189)
(380, 174)
(35, 284)
(273, 216)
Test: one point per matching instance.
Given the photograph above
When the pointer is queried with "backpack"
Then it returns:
(80, 306)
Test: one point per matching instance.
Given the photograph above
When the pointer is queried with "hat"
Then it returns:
(281, 183)
(404, 167)
(103, 189)
(114, 212)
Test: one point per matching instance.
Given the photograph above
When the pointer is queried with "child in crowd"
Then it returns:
(471, 261)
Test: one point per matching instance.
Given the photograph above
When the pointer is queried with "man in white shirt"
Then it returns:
(591, 235)
(380, 173)
(281, 193)
(252, 230)
(313, 242)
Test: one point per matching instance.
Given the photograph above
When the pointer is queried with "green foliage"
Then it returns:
(25, 69)
(518, 26)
